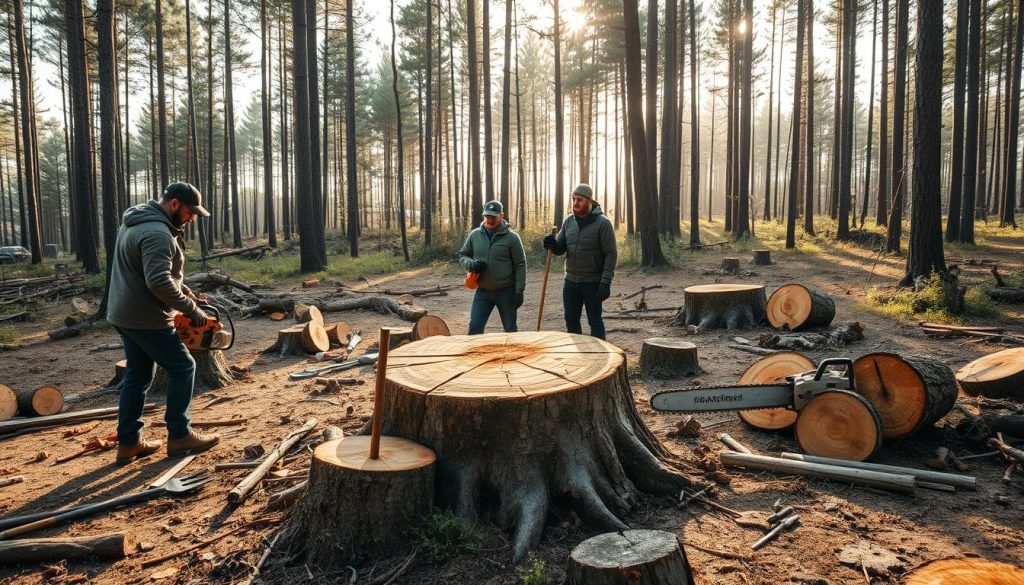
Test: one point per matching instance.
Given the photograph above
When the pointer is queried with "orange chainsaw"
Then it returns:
(212, 335)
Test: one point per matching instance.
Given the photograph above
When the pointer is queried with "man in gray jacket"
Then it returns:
(587, 239)
(145, 292)
(495, 253)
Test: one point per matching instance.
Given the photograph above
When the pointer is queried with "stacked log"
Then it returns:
(910, 392)
(769, 370)
(794, 307)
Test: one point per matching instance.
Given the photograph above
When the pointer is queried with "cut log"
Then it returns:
(668, 357)
(762, 257)
(314, 338)
(524, 418)
(910, 392)
(8, 402)
(36, 550)
(840, 424)
(768, 370)
(997, 375)
(43, 401)
(1006, 294)
(289, 342)
(285, 305)
(338, 333)
(357, 508)
(891, 481)
(307, 313)
(212, 372)
(632, 557)
(730, 265)
(381, 305)
(429, 326)
(794, 306)
(964, 482)
(278, 316)
(714, 306)
(965, 572)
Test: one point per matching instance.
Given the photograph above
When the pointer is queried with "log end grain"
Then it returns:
(997, 375)
(668, 357)
(8, 402)
(839, 424)
(42, 401)
(910, 392)
(794, 306)
(767, 370)
(314, 338)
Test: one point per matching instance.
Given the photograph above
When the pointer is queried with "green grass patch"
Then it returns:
(932, 303)
(444, 535)
(537, 572)
(8, 335)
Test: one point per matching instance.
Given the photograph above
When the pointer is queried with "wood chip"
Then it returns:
(164, 574)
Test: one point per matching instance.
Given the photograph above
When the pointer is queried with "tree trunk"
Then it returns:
(956, 148)
(849, 76)
(229, 129)
(401, 147)
(910, 392)
(161, 95)
(882, 205)
(350, 130)
(741, 227)
(476, 195)
(212, 372)
(794, 166)
(713, 306)
(28, 137)
(632, 557)
(82, 141)
(694, 136)
(668, 189)
(478, 467)
(809, 123)
(970, 151)
(268, 155)
(559, 123)
(895, 221)
(650, 110)
(1013, 123)
(431, 191)
(506, 84)
(311, 241)
(209, 123)
(871, 115)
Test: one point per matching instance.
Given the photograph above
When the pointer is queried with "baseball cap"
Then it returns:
(493, 208)
(584, 190)
(187, 194)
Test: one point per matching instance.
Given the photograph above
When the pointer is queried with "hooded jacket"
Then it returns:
(146, 288)
(504, 254)
(589, 246)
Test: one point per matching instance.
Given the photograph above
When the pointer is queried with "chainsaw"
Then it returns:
(363, 360)
(212, 335)
(794, 393)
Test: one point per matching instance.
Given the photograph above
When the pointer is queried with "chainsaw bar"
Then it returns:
(737, 397)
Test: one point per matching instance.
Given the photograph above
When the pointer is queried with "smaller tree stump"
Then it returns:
(212, 372)
(338, 333)
(289, 341)
(668, 357)
(400, 336)
(429, 326)
(43, 401)
(8, 402)
(909, 392)
(314, 338)
(357, 508)
(762, 258)
(997, 375)
(714, 306)
(630, 557)
(965, 572)
(730, 265)
(839, 424)
(120, 367)
(307, 313)
(768, 370)
(794, 306)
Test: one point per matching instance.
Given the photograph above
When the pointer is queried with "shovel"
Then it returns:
(363, 360)
(183, 485)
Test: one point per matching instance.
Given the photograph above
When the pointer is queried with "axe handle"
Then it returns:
(544, 287)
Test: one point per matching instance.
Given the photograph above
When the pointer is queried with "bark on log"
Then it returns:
(523, 418)
(762, 257)
(212, 372)
(306, 313)
(35, 550)
(43, 401)
(314, 338)
(632, 557)
(840, 424)
(794, 307)
(357, 508)
(289, 342)
(768, 370)
(207, 281)
(8, 402)
(997, 375)
(1006, 294)
(338, 333)
(429, 326)
(965, 572)
(286, 305)
(20, 424)
(380, 305)
(964, 482)
(228, 253)
(910, 392)
(890, 481)
(668, 357)
(714, 306)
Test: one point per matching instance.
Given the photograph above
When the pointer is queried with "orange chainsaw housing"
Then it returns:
(197, 337)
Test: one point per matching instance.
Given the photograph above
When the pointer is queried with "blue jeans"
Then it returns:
(143, 350)
(484, 302)
(575, 296)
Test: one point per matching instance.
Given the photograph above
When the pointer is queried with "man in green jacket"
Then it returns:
(587, 239)
(495, 253)
(145, 293)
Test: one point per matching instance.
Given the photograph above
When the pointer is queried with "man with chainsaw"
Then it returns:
(144, 293)
(587, 239)
(495, 255)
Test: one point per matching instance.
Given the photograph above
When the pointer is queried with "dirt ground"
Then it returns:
(916, 529)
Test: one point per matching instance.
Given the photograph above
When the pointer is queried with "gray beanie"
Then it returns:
(584, 190)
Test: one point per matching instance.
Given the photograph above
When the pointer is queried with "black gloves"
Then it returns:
(198, 317)
(604, 291)
(519, 300)
(549, 242)
(478, 266)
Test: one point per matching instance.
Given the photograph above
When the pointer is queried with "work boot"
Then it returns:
(191, 443)
(128, 453)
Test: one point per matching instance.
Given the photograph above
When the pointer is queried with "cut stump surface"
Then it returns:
(767, 370)
(519, 420)
(631, 557)
(909, 392)
(997, 375)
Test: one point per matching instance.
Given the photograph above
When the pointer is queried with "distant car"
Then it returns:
(9, 254)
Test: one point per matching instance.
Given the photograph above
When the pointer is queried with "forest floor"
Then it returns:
(915, 529)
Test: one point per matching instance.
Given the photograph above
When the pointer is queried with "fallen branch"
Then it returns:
(752, 349)
(232, 253)
(15, 316)
(420, 292)
(1011, 453)
(105, 347)
(378, 304)
(643, 289)
(211, 280)
(961, 481)
(733, 443)
(259, 522)
(64, 418)
(241, 491)
(11, 480)
(34, 550)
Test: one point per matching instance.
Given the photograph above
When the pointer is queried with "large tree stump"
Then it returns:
(965, 572)
(839, 424)
(8, 402)
(43, 401)
(357, 508)
(794, 307)
(996, 375)
(212, 372)
(768, 370)
(668, 357)
(633, 557)
(714, 306)
(909, 392)
(521, 420)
